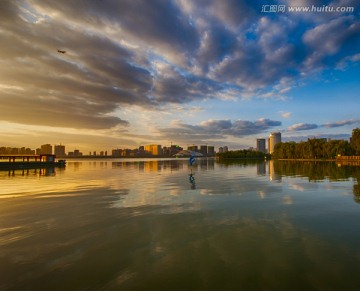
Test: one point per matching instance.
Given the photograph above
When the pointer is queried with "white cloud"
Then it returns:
(285, 114)
(302, 126)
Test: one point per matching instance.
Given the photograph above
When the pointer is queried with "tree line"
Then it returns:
(318, 148)
(241, 154)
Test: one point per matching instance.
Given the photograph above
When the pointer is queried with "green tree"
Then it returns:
(355, 141)
(317, 148)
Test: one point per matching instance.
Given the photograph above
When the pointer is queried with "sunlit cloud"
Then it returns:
(342, 123)
(285, 114)
(166, 58)
(302, 126)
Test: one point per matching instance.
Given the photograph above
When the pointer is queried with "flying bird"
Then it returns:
(62, 52)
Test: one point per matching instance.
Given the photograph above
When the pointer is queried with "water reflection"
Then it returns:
(261, 168)
(48, 171)
(315, 171)
(139, 225)
(164, 165)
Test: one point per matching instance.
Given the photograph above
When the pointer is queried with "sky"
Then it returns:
(138, 72)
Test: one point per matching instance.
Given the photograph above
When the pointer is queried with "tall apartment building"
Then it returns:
(274, 138)
(59, 151)
(260, 145)
(46, 149)
(211, 151)
(204, 150)
(154, 149)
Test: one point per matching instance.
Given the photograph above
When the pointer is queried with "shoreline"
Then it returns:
(127, 157)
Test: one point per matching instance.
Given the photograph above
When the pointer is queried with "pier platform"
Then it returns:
(29, 161)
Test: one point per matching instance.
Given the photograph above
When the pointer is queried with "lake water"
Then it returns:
(149, 225)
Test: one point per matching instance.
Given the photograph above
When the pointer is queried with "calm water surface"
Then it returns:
(146, 225)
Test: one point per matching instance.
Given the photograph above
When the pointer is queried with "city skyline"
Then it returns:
(96, 75)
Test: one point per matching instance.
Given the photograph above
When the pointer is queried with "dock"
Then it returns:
(8, 162)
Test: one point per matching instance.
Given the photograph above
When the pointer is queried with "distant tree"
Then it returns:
(241, 154)
(315, 149)
(355, 141)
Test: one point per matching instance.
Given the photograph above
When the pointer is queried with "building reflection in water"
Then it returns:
(165, 165)
(261, 168)
(50, 171)
(274, 177)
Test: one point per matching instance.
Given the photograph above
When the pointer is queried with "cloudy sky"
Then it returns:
(138, 72)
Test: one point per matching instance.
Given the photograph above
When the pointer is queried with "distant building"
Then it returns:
(260, 145)
(188, 153)
(223, 149)
(75, 153)
(126, 152)
(204, 150)
(153, 149)
(274, 138)
(116, 152)
(59, 151)
(46, 149)
(211, 151)
(193, 148)
(174, 149)
(171, 150)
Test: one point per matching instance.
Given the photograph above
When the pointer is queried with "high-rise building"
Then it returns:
(274, 138)
(46, 149)
(204, 150)
(211, 151)
(59, 151)
(154, 149)
(260, 145)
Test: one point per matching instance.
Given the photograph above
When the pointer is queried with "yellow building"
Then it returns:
(274, 138)
(153, 149)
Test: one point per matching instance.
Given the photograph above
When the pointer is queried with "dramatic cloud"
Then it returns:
(218, 129)
(298, 138)
(333, 39)
(307, 126)
(152, 53)
(342, 123)
(302, 126)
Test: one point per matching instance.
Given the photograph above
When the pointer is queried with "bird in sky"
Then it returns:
(62, 52)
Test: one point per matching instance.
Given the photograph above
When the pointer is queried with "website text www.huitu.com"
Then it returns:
(306, 9)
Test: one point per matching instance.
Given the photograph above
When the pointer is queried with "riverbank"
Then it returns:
(342, 160)
(127, 157)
